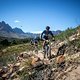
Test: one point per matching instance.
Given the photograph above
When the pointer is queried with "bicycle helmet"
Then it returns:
(47, 27)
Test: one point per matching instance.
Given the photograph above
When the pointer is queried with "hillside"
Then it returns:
(20, 62)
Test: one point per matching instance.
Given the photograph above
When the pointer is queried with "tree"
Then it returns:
(5, 42)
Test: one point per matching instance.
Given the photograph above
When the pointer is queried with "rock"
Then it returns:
(73, 37)
(10, 70)
(24, 54)
(4, 75)
(17, 64)
(61, 43)
(78, 32)
(37, 65)
(60, 59)
(69, 69)
(54, 70)
(34, 60)
(21, 68)
(46, 61)
(54, 51)
(74, 74)
(72, 57)
(13, 74)
(7, 75)
(10, 65)
(41, 56)
(17, 79)
(5, 69)
(0, 69)
(60, 75)
(4, 50)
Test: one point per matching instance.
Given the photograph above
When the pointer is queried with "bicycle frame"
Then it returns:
(47, 50)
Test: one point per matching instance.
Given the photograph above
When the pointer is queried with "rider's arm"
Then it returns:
(52, 35)
(42, 34)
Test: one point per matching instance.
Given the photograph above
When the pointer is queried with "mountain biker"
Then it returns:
(34, 44)
(46, 35)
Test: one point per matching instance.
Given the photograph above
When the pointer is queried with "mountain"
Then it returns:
(7, 31)
(56, 32)
(5, 27)
(18, 30)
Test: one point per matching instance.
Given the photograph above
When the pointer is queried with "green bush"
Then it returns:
(65, 34)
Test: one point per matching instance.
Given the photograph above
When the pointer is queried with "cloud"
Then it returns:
(36, 32)
(16, 21)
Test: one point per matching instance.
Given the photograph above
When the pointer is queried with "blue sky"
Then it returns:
(35, 15)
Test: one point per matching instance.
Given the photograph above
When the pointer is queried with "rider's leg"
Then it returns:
(44, 44)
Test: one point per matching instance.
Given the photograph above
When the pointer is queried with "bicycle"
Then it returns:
(47, 49)
(34, 45)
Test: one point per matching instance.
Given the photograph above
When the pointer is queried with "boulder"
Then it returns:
(41, 56)
(34, 60)
(46, 61)
(60, 59)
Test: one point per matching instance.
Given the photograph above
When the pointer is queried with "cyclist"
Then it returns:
(46, 35)
(34, 44)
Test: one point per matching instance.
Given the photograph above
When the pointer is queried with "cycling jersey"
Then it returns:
(46, 35)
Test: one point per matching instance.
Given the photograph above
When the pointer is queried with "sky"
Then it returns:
(35, 15)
